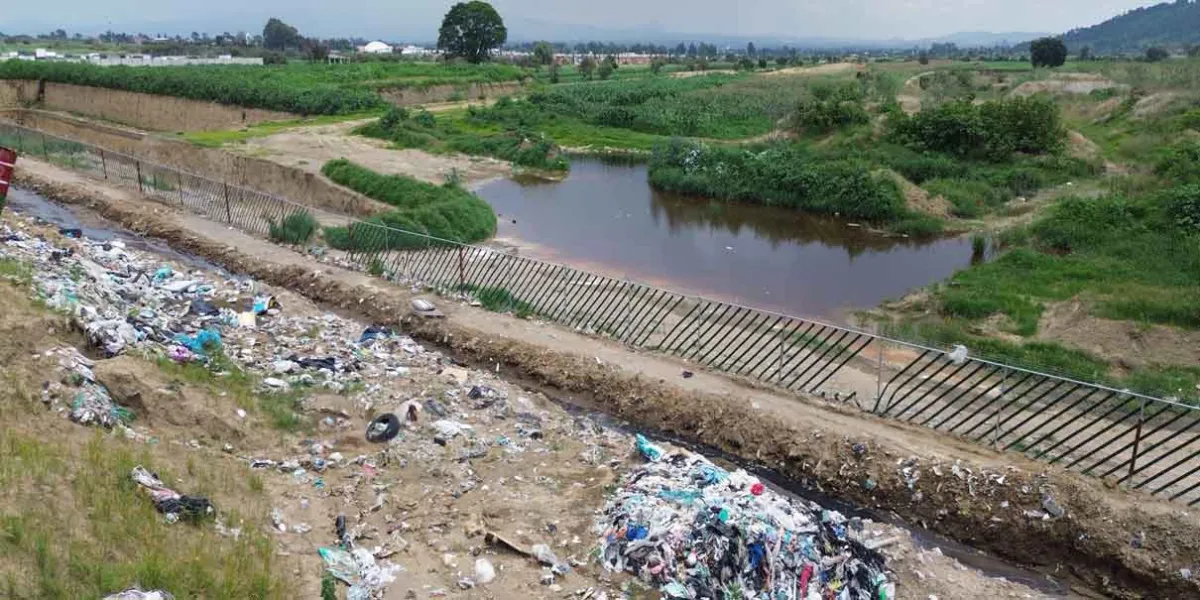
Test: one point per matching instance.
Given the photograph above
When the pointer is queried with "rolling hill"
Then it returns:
(1172, 25)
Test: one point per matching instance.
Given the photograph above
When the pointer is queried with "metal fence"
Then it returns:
(1138, 441)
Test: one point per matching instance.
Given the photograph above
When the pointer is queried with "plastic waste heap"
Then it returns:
(695, 530)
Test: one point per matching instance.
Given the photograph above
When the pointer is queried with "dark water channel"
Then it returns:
(607, 217)
(95, 227)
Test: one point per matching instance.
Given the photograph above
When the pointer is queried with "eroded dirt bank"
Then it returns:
(990, 501)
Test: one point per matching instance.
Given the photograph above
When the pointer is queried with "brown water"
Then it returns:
(607, 217)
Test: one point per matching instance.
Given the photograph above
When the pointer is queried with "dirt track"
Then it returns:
(806, 441)
(308, 148)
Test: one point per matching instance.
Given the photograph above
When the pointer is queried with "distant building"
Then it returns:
(411, 50)
(376, 48)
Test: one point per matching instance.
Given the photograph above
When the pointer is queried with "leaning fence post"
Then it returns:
(179, 178)
(461, 276)
(879, 374)
(45, 148)
(138, 165)
(996, 417)
(103, 163)
(1137, 440)
(228, 213)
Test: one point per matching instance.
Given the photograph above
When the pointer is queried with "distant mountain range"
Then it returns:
(1171, 25)
(527, 30)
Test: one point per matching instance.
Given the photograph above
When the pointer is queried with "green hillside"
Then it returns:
(1175, 26)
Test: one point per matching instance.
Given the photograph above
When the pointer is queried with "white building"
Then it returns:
(411, 50)
(376, 47)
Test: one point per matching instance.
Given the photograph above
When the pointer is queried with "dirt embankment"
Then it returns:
(958, 489)
(148, 111)
(305, 186)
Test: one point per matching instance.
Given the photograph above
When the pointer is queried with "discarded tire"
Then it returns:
(383, 428)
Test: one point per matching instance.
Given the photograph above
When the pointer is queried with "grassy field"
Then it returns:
(302, 88)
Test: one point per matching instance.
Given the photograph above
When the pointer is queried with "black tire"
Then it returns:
(390, 428)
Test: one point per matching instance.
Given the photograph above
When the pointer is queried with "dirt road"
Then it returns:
(807, 440)
(309, 148)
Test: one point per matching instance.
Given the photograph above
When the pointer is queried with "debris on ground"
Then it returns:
(136, 594)
(173, 505)
(695, 530)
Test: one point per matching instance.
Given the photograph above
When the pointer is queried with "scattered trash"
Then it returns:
(484, 571)
(450, 429)
(202, 342)
(688, 374)
(173, 505)
(694, 530)
(137, 594)
(958, 355)
(203, 308)
(383, 428)
(1051, 507)
(650, 451)
(71, 232)
(374, 333)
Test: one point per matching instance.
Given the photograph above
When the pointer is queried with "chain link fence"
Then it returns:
(1132, 439)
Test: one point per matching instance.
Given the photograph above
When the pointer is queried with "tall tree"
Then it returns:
(1047, 52)
(1155, 54)
(472, 30)
(543, 53)
(278, 35)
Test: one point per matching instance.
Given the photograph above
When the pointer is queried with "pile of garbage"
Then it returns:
(695, 530)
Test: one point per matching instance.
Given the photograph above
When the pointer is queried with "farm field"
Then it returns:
(306, 89)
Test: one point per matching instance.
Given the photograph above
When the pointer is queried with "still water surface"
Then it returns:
(607, 217)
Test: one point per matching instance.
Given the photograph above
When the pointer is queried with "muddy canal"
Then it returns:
(606, 217)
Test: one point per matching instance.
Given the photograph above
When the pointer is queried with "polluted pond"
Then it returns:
(396, 472)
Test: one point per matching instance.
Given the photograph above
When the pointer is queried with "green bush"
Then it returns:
(296, 228)
(517, 144)
(970, 197)
(1180, 163)
(1182, 206)
(445, 212)
(992, 130)
(778, 176)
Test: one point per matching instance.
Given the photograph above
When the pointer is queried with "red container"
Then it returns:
(8, 159)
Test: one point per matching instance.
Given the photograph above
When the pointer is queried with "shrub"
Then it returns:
(779, 176)
(827, 110)
(446, 212)
(1080, 223)
(992, 130)
(296, 228)
(1181, 162)
(1182, 206)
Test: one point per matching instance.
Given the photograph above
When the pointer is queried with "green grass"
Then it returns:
(446, 212)
(301, 88)
(74, 525)
(216, 139)
(282, 409)
(296, 228)
(18, 272)
(498, 299)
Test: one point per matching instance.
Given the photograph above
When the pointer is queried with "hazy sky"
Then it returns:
(395, 19)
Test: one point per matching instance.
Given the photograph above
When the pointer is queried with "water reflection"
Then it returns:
(607, 216)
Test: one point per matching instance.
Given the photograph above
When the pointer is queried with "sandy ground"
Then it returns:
(826, 69)
(422, 505)
(1066, 83)
(309, 148)
(616, 378)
